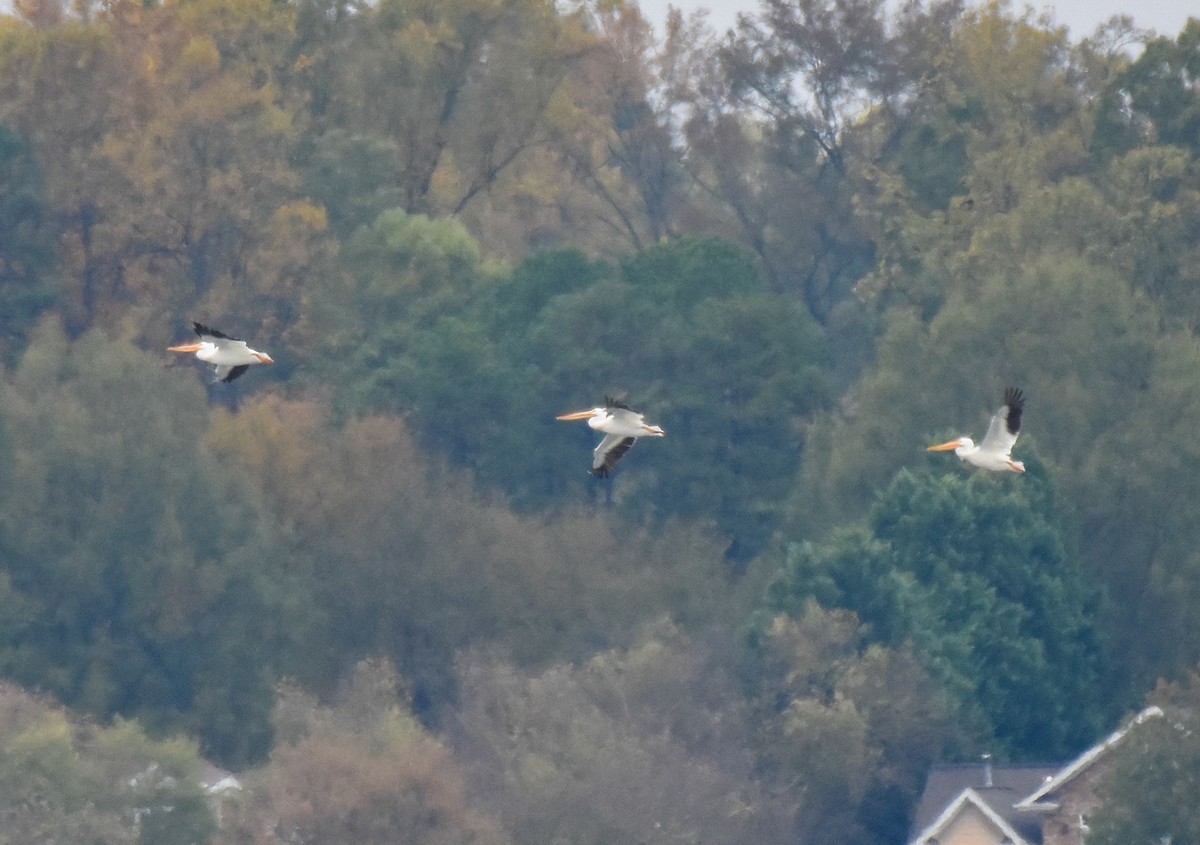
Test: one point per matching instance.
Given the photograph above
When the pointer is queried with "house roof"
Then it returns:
(929, 836)
(946, 791)
(1043, 798)
(216, 780)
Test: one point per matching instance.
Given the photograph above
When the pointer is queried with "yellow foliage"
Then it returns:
(302, 215)
(564, 113)
(200, 58)
(397, 731)
(537, 770)
(418, 43)
(46, 745)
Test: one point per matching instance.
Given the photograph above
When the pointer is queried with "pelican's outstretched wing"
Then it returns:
(233, 372)
(610, 450)
(205, 331)
(1005, 425)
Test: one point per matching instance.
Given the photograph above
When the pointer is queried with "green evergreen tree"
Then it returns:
(974, 571)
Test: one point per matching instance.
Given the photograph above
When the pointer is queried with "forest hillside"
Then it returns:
(377, 580)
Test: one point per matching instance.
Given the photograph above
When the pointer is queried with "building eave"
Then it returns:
(1037, 801)
(968, 796)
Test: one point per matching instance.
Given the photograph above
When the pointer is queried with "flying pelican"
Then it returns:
(1002, 433)
(621, 425)
(229, 356)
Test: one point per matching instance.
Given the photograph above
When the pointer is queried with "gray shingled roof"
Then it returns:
(1010, 784)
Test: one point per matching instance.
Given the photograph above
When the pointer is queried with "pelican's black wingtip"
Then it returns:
(203, 330)
(1014, 401)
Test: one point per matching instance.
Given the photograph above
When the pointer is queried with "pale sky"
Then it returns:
(1166, 17)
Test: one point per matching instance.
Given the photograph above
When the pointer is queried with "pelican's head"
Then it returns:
(185, 347)
(654, 431)
(263, 357)
(959, 445)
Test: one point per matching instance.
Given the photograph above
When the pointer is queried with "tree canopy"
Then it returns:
(806, 247)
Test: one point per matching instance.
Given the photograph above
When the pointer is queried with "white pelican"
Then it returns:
(229, 356)
(621, 425)
(1002, 433)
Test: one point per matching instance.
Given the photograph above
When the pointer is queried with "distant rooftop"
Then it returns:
(1010, 783)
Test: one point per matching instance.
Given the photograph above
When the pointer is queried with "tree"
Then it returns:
(27, 248)
(732, 368)
(139, 568)
(409, 561)
(804, 72)
(425, 327)
(1150, 794)
(639, 744)
(1155, 99)
(67, 780)
(172, 162)
(974, 573)
(847, 725)
(362, 770)
(471, 82)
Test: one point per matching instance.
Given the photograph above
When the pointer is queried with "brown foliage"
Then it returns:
(409, 561)
(361, 771)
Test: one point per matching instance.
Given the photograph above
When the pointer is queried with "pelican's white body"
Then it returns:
(228, 355)
(621, 427)
(993, 453)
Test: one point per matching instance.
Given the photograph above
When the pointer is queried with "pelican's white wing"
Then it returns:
(1005, 425)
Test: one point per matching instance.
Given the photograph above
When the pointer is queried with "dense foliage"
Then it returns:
(1158, 756)
(378, 577)
(973, 571)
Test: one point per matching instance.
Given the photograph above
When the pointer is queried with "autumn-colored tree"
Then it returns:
(470, 83)
(646, 744)
(64, 779)
(411, 563)
(362, 770)
(170, 177)
(846, 725)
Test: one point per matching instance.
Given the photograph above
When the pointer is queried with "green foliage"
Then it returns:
(62, 780)
(139, 569)
(346, 176)
(27, 249)
(1149, 795)
(1156, 97)
(349, 175)
(974, 572)
(687, 331)
(850, 726)
(409, 562)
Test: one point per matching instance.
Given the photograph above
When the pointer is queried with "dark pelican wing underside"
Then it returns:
(607, 459)
(234, 372)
